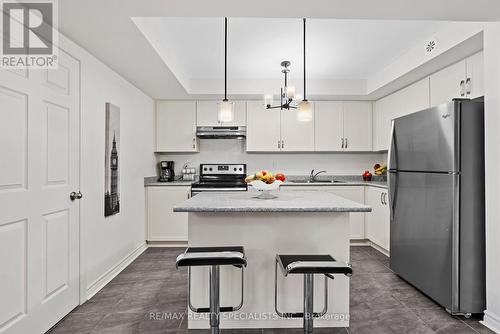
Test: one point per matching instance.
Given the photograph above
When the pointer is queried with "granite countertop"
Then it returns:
(153, 181)
(293, 201)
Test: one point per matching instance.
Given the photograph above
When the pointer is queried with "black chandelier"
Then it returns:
(287, 93)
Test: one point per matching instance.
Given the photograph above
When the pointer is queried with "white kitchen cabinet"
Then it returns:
(176, 126)
(448, 84)
(357, 126)
(263, 128)
(474, 84)
(354, 193)
(296, 136)
(343, 126)
(403, 102)
(329, 125)
(164, 224)
(207, 114)
(464, 79)
(277, 130)
(377, 225)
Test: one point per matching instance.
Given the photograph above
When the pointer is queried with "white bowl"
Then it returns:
(265, 188)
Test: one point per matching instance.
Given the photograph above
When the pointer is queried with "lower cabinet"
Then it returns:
(355, 193)
(377, 225)
(163, 223)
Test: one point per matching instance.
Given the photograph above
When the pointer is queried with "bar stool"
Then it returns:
(308, 265)
(213, 257)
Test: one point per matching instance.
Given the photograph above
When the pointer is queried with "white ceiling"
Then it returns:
(105, 27)
(193, 49)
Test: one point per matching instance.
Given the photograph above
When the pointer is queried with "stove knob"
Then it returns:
(205, 169)
(210, 169)
(241, 169)
(235, 169)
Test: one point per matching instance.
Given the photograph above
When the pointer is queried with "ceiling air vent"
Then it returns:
(430, 46)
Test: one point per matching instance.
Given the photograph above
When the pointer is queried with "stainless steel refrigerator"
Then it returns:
(436, 200)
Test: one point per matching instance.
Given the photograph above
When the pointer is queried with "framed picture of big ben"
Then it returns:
(112, 161)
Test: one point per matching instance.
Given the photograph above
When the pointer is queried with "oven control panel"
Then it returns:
(228, 169)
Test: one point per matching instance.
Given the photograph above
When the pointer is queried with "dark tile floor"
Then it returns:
(380, 302)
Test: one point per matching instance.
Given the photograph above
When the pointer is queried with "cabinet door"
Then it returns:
(384, 111)
(207, 114)
(176, 126)
(448, 84)
(358, 126)
(475, 76)
(356, 219)
(296, 136)
(163, 223)
(263, 128)
(329, 125)
(377, 221)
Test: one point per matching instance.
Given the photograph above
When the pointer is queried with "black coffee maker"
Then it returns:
(167, 173)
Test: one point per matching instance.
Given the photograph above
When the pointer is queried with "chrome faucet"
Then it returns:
(312, 176)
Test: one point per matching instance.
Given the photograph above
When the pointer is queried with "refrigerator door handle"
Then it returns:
(392, 192)
(391, 153)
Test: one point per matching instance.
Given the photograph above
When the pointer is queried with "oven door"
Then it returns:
(196, 190)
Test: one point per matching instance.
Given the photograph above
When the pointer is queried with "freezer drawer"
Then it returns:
(424, 222)
(427, 140)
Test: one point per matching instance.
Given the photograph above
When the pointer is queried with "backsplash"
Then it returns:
(233, 151)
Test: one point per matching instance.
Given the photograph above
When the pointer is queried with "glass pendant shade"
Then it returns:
(226, 112)
(304, 111)
(268, 100)
(290, 92)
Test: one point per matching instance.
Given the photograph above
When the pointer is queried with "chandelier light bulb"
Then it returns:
(290, 92)
(268, 100)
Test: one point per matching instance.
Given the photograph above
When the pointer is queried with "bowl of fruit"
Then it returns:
(265, 182)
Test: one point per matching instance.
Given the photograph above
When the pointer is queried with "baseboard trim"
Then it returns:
(492, 321)
(167, 243)
(105, 278)
(380, 249)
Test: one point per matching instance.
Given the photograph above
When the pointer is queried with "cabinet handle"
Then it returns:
(468, 86)
(346, 143)
(189, 195)
(194, 142)
(279, 143)
(384, 198)
(282, 144)
(462, 88)
(342, 142)
(381, 200)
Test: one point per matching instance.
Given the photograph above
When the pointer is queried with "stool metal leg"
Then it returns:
(214, 299)
(308, 303)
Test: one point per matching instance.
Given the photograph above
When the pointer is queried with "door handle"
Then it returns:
(393, 192)
(391, 153)
(75, 195)
(462, 88)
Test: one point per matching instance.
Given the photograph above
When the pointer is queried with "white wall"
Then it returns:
(108, 241)
(233, 151)
(492, 138)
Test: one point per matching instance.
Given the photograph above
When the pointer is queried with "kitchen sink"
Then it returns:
(316, 181)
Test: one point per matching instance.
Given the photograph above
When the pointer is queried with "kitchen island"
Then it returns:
(296, 222)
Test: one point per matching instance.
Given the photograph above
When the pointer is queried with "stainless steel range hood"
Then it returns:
(221, 132)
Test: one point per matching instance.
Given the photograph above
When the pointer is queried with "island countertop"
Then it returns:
(290, 201)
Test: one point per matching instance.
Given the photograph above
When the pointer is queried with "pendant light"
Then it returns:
(304, 112)
(226, 108)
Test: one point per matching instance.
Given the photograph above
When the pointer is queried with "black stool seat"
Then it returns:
(312, 264)
(212, 256)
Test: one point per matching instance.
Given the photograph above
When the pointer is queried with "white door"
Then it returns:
(447, 84)
(329, 125)
(377, 222)
(39, 224)
(357, 126)
(263, 128)
(163, 223)
(475, 76)
(296, 136)
(176, 126)
(207, 114)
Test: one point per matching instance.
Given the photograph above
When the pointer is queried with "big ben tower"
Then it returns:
(114, 177)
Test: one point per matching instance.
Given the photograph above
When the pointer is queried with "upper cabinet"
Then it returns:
(343, 126)
(461, 80)
(207, 114)
(277, 130)
(403, 102)
(176, 126)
